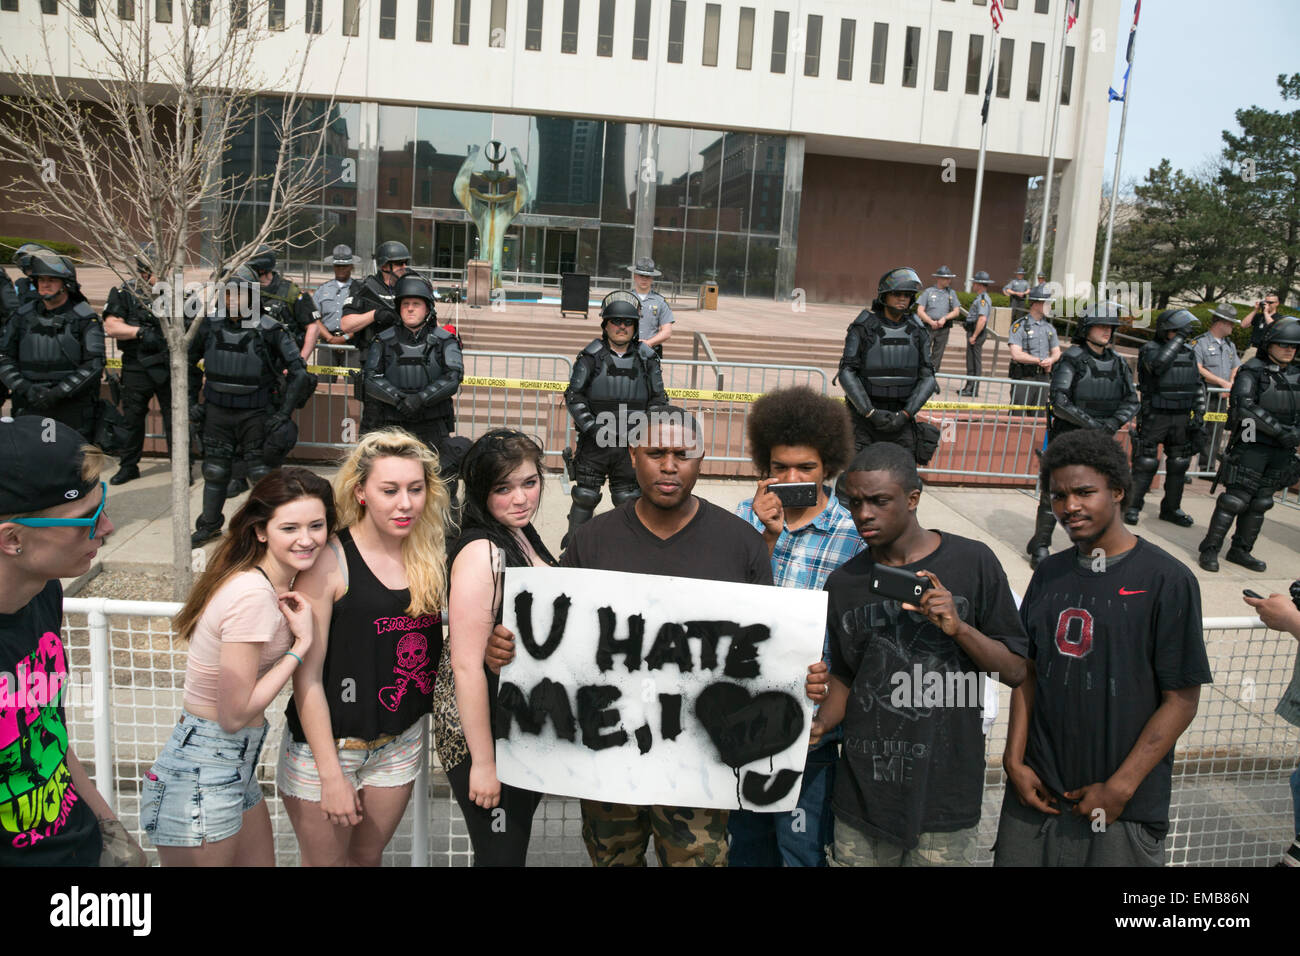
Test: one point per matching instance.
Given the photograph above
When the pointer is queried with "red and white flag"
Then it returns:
(995, 11)
(1072, 14)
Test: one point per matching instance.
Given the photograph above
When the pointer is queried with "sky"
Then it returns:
(1197, 62)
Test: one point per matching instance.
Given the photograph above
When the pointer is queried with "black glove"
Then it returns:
(275, 422)
(1109, 425)
(410, 405)
(39, 396)
(151, 339)
(197, 414)
(1290, 438)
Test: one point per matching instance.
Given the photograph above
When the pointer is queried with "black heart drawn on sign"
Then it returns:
(746, 728)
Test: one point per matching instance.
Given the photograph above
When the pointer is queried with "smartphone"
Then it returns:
(900, 585)
(795, 494)
(1251, 594)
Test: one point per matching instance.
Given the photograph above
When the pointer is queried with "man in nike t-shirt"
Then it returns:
(1117, 661)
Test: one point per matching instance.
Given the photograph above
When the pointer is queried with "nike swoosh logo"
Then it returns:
(1125, 593)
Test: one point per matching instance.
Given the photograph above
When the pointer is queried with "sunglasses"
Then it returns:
(90, 522)
(621, 321)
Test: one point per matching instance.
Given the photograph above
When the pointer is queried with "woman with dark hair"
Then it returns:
(503, 488)
(248, 629)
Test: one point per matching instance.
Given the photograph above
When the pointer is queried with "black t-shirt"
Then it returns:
(1106, 644)
(715, 545)
(913, 728)
(43, 820)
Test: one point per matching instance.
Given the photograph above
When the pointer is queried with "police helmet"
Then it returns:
(982, 277)
(903, 280)
(46, 263)
(1174, 320)
(1283, 332)
(1100, 313)
(263, 260)
(243, 276)
(23, 255)
(1039, 293)
(621, 305)
(391, 252)
(414, 287)
(144, 259)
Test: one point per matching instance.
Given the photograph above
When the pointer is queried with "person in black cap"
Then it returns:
(1172, 414)
(886, 374)
(412, 373)
(329, 300)
(1264, 415)
(146, 367)
(616, 381)
(936, 308)
(285, 302)
(656, 317)
(370, 309)
(977, 320)
(252, 380)
(1091, 388)
(1015, 291)
(52, 353)
(52, 524)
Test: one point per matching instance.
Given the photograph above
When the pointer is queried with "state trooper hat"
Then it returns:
(43, 460)
(645, 266)
(1223, 312)
(945, 273)
(982, 277)
(342, 256)
(1020, 272)
(1039, 293)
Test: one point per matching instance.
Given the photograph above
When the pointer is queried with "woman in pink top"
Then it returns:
(201, 803)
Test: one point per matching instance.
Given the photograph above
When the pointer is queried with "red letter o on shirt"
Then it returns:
(1076, 646)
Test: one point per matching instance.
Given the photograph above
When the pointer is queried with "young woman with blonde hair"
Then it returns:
(352, 748)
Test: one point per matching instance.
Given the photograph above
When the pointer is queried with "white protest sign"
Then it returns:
(645, 689)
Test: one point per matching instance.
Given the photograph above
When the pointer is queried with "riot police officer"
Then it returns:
(25, 287)
(1035, 349)
(412, 372)
(370, 308)
(1091, 388)
(252, 380)
(1264, 413)
(52, 352)
(1172, 414)
(885, 370)
(656, 316)
(616, 380)
(146, 369)
(283, 301)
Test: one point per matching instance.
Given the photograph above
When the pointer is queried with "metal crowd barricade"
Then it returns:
(993, 436)
(1231, 803)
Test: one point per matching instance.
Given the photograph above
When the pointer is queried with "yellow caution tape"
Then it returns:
(1216, 416)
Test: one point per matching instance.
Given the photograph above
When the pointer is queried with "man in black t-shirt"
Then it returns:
(1117, 661)
(52, 524)
(906, 681)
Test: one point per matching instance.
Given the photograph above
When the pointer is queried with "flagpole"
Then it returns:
(979, 166)
(1119, 159)
(1051, 153)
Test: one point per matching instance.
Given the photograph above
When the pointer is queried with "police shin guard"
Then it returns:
(1040, 545)
(208, 526)
(581, 510)
(1171, 508)
(1144, 472)
(1248, 528)
(1226, 510)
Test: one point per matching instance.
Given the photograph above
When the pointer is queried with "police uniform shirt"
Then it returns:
(655, 314)
(1219, 356)
(982, 305)
(938, 302)
(1017, 287)
(329, 302)
(1036, 336)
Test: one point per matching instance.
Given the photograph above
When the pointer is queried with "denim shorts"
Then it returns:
(202, 784)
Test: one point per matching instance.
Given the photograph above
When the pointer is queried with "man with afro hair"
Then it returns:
(797, 436)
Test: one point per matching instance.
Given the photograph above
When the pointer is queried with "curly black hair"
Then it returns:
(800, 416)
(1093, 448)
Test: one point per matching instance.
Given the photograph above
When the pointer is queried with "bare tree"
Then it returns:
(131, 148)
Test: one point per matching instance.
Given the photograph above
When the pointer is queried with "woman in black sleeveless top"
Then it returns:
(353, 746)
(503, 487)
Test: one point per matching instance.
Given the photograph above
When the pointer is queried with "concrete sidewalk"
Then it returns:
(1001, 518)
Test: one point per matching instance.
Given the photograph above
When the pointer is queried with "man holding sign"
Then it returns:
(667, 531)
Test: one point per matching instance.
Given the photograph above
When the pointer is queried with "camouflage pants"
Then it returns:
(616, 834)
(852, 847)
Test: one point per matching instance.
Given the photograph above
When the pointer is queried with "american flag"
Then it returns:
(995, 11)
(1071, 14)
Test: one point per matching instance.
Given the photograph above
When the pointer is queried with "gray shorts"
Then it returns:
(1028, 837)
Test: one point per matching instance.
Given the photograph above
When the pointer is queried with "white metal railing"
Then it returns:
(1230, 805)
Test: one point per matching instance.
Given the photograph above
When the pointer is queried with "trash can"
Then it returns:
(709, 296)
(575, 292)
(478, 280)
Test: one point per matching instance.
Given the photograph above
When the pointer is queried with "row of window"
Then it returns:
(201, 13)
